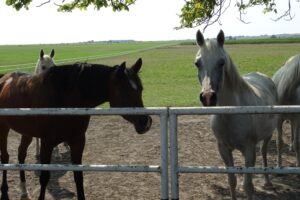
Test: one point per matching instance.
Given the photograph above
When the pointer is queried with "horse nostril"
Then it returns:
(213, 99)
(202, 99)
(145, 124)
(208, 98)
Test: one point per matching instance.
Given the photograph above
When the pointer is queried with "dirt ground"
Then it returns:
(112, 140)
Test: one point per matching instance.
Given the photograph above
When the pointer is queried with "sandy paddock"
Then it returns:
(112, 140)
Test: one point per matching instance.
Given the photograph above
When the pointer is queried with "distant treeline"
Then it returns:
(252, 41)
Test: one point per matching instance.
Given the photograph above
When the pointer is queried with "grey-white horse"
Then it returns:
(44, 62)
(287, 81)
(222, 85)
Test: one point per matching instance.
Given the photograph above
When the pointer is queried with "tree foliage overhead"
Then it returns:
(207, 12)
(116, 5)
(193, 13)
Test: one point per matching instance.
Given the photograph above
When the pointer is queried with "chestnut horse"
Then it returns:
(44, 62)
(75, 85)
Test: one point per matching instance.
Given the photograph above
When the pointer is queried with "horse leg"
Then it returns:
(263, 150)
(295, 126)
(22, 153)
(279, 142)
(45, 154)
(292, 138)
(4, 160)
(250, 158)
(76, 157)
(226, 155)
(37, 148)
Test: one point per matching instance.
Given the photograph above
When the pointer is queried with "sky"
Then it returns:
(146, 21)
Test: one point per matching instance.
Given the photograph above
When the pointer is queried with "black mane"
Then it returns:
(90, 80)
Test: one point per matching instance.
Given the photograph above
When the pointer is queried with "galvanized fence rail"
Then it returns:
(167, 115)
(176, 169)
(162, 112)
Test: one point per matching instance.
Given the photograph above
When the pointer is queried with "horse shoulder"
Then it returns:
(263, 87)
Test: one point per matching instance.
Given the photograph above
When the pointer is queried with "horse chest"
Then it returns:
(233, 130)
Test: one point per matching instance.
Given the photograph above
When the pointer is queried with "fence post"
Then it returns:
(174, 156)
(164, 183)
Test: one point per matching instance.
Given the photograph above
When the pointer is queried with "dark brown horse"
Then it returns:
(76, 85)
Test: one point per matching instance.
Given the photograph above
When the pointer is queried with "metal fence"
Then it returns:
(162, 168)
(166, 115)
(176, 169)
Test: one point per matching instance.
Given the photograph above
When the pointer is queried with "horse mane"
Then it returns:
(287, 78)
(81, 76)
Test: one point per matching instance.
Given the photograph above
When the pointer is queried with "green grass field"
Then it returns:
(168, 73)
(19, 56)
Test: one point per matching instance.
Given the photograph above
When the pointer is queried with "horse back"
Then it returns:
(20, 90)
(287, 81)
(263, 87)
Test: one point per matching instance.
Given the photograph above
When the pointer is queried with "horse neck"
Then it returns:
(100, 92)
(232, 87)
(80, 86)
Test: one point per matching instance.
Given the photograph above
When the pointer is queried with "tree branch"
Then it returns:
(46, 2)
(287, 13)
(214, 16)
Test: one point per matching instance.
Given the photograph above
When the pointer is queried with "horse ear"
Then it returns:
(52, 53)
(199, 38)
(137, 66)
(221, 38)
(41, 54)
(121, 69)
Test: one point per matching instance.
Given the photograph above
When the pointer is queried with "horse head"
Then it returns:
(210, 61)
(44, 62)
(126, 91)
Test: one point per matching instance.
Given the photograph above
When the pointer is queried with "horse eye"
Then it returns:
(221, 62)
(43, 67)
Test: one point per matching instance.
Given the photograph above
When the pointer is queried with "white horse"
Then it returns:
(44, 62)
(287, 81)
(223, 86)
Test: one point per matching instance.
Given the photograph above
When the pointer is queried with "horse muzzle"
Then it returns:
(141, 123)
(208, 98)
